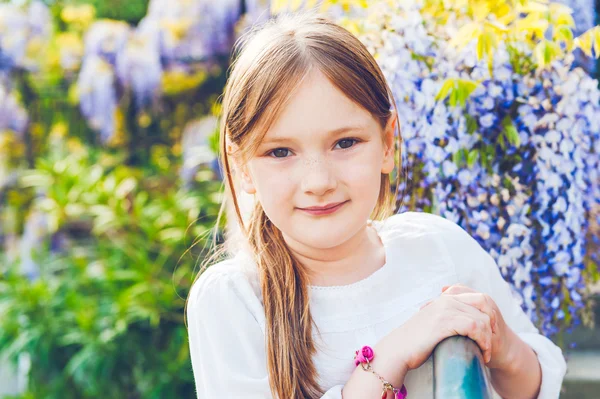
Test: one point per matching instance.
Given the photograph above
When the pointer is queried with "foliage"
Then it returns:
(95, 234)
(501, 136)
(103, 315)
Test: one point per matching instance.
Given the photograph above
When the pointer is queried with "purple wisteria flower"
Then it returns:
(174, 35)
(517, 167)
(106, 39)
(584, 14)
(192, 31)
(138, 67)
(13, 122)
(97, 83)
(34, 234)
(196, 148)
(13, 116)
(22, 28)
(97, 95)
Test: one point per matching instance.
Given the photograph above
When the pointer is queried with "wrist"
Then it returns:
(400, 349)
(390, 365)
(507, 360)
(370, 374)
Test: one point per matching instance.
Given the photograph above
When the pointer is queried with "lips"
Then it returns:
(323, 208)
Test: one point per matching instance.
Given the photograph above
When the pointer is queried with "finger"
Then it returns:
(457, 289)
(495, 321)
(477, 328)
(427, 303)
(481, 302)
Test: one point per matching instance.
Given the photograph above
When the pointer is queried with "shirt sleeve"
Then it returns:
(476, 269)
(226, 340)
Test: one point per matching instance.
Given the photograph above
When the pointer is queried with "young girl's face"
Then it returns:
(323, 150)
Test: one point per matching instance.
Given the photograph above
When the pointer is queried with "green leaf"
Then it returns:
(445, 90)
(465, 34)
(563, 33)
(510, 131)
(502, 142)
(472, 124)
(125, 187)
(458, 90)
(457, 158)
(545, 52)
(588, 41)
(472, 157)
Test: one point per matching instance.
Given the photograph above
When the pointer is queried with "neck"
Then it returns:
(349, 262)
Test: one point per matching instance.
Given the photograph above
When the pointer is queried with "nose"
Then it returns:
(318, 178)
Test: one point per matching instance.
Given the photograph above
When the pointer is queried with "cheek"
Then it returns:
(362, 172)
(362, 180)
(273, 183)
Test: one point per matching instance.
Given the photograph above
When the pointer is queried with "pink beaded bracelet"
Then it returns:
(364, 357)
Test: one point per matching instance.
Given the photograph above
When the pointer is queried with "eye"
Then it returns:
(279, 153)
(346, 143)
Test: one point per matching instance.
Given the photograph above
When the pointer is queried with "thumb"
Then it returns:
(424, 305)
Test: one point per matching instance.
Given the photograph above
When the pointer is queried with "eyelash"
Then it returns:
(354, 139)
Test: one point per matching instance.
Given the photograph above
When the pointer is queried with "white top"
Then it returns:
(423, 253)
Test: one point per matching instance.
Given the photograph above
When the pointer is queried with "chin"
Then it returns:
(325, 237)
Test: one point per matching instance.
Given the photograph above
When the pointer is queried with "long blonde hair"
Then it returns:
(271, 61)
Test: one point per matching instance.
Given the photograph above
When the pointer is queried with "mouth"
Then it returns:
(324, 210)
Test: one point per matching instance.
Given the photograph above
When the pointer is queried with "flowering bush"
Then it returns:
(97, 309)
(175, 44)
(500, 135)
(23, 33)
(105, 179)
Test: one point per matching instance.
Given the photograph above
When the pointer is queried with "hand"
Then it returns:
(449, 314)
(500, 356)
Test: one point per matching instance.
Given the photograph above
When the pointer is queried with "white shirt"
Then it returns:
(424, 252)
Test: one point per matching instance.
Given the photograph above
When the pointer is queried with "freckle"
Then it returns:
(311, 162)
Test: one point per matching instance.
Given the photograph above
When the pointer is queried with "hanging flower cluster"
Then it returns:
(23, 31)
(105, 43)
(584, 16)
(511, 155)
(583, 13)
(177, 36)
(13, 122)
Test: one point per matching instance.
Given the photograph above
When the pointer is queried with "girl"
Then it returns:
(308, 129)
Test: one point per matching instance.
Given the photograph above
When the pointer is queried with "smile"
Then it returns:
(323, 210)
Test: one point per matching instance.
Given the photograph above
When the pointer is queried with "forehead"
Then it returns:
(317, 107)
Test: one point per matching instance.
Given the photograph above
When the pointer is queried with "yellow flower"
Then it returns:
(82, 14)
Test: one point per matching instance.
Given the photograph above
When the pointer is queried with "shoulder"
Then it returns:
(229, 286)
(419, 224)
(427, 235)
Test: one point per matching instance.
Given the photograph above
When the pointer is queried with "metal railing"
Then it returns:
(459, 371)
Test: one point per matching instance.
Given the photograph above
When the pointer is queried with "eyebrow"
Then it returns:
(333, 132)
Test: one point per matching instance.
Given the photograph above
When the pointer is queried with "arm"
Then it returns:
(536, 367)
(227, 344)
(522, 376)
(387, 363)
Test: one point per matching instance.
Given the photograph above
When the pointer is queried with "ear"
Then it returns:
(240, 169)
(246, 180)
(389, 139)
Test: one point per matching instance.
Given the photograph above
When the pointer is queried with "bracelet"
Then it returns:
(364, 357)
